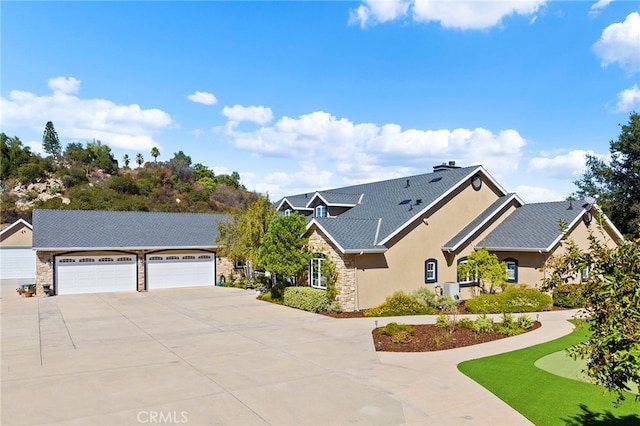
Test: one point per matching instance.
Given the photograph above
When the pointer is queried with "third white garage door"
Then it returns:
(180, 270)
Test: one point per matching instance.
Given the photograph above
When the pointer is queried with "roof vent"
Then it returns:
(408, 184)
(570, 206)
(418, 201)
(436, 179)
(405, 202)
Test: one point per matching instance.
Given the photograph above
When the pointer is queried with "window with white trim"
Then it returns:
(512, 270)
(430, 271)
(316, 279)
(287, 212)
(321, 210)
(467, 280)
(584, 274)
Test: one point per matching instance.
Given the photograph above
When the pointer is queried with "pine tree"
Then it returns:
(50, 142)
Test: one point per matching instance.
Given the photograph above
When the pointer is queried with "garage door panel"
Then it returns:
(178, 271)
(17, 262)
(95, 274)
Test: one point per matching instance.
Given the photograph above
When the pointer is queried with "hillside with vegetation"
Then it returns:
(88, 177)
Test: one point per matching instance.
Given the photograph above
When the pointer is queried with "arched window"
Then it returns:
(512, 270)
(321, 210)
(430, 271)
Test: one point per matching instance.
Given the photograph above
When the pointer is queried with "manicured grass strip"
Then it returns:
(544, 398)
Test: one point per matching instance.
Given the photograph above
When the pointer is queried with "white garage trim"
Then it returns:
(95, 274)
(180, 270)
(18, 263)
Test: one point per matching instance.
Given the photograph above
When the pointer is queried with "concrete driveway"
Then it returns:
(219, 356)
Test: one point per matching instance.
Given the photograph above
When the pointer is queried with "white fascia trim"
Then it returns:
(365, 251)
(124, 248)
(327, 203)
(324, 231)
(520, 249)
(570, 226)
(481, 224)
(608, 222)
(440, 198)
(16, 223)
(284, 200)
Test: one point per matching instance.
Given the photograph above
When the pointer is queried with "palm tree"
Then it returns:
(154, 153)
(139, 159)
(126, 160)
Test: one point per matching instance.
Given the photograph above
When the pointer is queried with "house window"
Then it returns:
(467, 280)
(317, 280)
(584, 274)
(321, 211)
(287, 212)
(430, 271)
(512, 270)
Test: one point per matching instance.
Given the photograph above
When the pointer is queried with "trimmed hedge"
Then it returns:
(306, 298)
(569, 296)
(399, 304)
(513, 299)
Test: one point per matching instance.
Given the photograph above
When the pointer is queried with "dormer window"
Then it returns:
(321, 210)
(287, 212)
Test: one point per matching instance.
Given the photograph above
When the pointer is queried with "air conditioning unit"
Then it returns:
(451, 289)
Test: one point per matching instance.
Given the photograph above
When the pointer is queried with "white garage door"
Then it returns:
(95, 274)
(18, 262)
(180, 270)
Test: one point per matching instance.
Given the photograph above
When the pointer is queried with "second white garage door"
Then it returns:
(95, 274)
(180, 270)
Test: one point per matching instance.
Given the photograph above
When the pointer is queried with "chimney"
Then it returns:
(445, 166)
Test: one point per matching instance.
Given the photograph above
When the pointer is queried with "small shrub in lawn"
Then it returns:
(483, 324)
(425, 296)
(399, 304)
(393, 328)
(513, 299)
(442, 321)
(525, 322)
(306, 298)
(569, 296)
(465, 323)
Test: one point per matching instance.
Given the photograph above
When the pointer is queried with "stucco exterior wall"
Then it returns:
(19, 236)
(401, 268)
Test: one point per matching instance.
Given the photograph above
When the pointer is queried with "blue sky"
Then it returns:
(302, 96)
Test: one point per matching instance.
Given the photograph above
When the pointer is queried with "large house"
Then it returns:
(408, 233)
(84, 251)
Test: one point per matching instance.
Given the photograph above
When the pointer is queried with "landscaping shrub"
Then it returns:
(525, 322)
(508, 326)
(334, 307)
(442, 321)
(569, 296)
(306, 298)
(465, 323)
(513, 299)
(399, 304)
(394, 328)
(425, 296)
(483, 324)
(402, 337)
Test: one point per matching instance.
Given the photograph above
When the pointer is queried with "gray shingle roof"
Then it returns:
(89, 229)
(494, 208)
(383, 208)
(533, 227)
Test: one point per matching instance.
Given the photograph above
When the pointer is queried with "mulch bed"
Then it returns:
(429, 338)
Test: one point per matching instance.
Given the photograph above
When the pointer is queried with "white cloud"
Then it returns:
(629, 99)
(64, 85)
(536, 194)
(372, 12)
(255, 114)
(464, 14)
(307, 178)
(597, 7)
(365, 151)
(122, 126)
(620, 43)
(472, 15)
(204, 98)
(570, 165)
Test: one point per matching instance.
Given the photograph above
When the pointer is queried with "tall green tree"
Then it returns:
(612, 293)
(485, 268)
(155, 152)
(12, 155)
(50, 142)
(182, 156)
(616, 183)
(139, 159)
(283, 250)
(126, 160)
(241, 235)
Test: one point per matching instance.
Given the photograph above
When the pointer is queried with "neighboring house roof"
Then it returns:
(17, 223)
(481, 221)
(96, 230)
(535, 227)
(383, 209)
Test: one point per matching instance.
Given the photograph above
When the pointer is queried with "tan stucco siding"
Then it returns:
(401, 268)
(19, 236)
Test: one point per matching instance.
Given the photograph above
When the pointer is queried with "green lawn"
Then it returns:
(544, 398)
